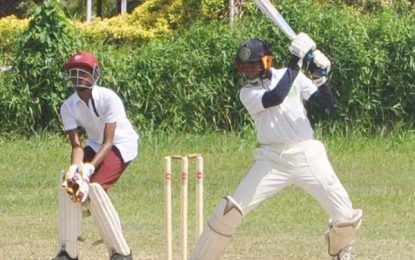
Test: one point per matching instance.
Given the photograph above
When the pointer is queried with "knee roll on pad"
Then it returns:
(216, 237)
(342, 235)
(226, 217)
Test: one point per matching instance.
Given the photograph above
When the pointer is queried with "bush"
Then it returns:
(372, 62)
(32, 100)
(185, 81)
(10, 28)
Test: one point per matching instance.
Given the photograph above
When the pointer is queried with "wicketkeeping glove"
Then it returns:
(70, 173)
(82, 184)
(76, 181)
(78, 188)
(87, 169)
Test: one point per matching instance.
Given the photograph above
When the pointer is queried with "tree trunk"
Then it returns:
(118, 6)
(99, 8)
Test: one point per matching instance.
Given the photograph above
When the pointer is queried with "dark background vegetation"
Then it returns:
(74, 9)
(185, 81)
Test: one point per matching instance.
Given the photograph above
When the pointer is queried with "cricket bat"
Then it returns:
(272, 13)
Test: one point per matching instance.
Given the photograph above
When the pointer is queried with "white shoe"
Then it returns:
(345, 254)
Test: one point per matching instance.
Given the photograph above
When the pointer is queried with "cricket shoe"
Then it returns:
(345, 254)
(116, 256)
(64, 256)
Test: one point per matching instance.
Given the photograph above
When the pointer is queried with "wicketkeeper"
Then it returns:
(111, 145)
(288, 153)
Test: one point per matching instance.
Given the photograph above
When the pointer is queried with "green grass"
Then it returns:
(378, 173)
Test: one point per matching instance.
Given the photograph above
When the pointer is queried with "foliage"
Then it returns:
(178, 75)
(121, 30)
(152, 19)
(31, 102)
(365, 50)
(212, 8)
(372, 5)
(19, 8)
(183, 82)
(109, 8)
(392, 67)
(10, 28)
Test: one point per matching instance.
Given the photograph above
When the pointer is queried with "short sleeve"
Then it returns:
(68, 118)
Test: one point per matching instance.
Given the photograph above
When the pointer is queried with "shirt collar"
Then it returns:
(94, 91)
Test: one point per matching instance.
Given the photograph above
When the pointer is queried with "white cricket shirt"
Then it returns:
(285, 123)
(108, 109)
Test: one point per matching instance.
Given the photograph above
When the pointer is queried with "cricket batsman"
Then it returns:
(288, 153)
(111, 145)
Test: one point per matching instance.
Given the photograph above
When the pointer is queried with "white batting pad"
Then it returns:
(69, 221)
(107, 220)
(216, 236)
(342, 235)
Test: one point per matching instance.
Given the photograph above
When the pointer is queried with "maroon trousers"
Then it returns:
(110, 170)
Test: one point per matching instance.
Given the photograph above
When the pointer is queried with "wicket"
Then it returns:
(183, 201)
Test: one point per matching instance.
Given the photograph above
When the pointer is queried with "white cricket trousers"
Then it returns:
(304, 164)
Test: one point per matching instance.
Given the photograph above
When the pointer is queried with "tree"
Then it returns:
(19, 8)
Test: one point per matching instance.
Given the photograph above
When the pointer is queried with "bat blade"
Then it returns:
(272, 13)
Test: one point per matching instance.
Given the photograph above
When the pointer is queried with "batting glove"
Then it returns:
(320, 68)
(301, 45)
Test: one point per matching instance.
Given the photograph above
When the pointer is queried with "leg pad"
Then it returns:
(107, 220)
(217, 234)
(342, 235)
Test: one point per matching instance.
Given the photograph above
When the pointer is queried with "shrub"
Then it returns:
(181, 83)
(10, 28)
(185, 80)
(31, 103)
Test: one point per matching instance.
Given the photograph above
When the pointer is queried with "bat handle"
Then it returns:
(309, 57)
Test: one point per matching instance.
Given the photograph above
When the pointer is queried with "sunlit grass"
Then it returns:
(378, 173)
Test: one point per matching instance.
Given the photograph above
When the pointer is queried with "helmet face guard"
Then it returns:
(82, 70)
(251, 52)
(81, 78)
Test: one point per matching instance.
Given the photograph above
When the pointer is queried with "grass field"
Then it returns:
(379, 174)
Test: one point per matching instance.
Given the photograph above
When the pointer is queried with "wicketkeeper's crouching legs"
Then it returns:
(216, 235)
(105, 217)
(108, 223)
(69, 221)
